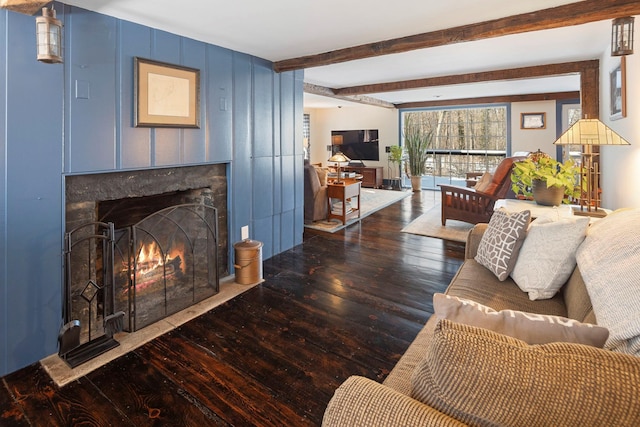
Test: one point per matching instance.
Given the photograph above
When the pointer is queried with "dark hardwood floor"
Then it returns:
(337, 305)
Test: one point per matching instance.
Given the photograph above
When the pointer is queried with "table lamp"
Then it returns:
(337, 159)
(588, 133)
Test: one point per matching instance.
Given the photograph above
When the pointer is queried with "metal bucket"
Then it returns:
(248, 265)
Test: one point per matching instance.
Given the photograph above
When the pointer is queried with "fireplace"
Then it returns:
(140, 246)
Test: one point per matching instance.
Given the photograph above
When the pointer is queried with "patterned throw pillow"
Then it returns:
(501, 242)
(548, 255)
(531, 328)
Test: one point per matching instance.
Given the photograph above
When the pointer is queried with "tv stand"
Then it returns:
(371, 175)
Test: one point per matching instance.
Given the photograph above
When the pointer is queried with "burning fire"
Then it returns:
(152, 266)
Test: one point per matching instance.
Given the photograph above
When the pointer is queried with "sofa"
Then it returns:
(459, 373)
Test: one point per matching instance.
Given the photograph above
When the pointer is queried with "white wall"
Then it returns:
(621, 164)
(532, 139)
(324, 120)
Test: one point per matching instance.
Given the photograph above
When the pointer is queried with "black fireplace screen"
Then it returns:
(165, 263)
(129, 278)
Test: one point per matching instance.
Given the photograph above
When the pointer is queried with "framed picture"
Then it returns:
(533, 120)
(166, 95)
(618, 91)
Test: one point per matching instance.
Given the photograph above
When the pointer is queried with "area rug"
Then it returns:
(429, 224)
(372, 200)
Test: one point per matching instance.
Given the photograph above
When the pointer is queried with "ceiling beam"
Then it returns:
(491, 100)
(28, 7)
(581, 12)
(360, 99)
(495, 75)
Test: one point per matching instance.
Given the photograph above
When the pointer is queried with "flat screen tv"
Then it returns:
(356, 144)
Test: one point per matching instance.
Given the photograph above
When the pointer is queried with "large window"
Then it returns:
(464, 140)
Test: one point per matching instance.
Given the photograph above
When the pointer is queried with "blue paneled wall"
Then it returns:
(77, 118)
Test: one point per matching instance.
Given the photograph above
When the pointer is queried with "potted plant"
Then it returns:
(396, 155)
(545, 180)
(417, 140)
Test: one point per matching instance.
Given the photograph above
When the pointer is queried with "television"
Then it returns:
(356, 144)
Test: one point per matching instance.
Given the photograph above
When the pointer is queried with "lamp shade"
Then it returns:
(339, 157)
(590, 132)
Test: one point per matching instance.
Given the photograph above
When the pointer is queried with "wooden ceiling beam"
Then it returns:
(581, 12)
(491, 100)
(360, 99)
(28, 7)
(495, 75)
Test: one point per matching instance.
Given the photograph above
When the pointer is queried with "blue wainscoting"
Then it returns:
(78, 117)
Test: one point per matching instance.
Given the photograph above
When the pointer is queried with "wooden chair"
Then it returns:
(468, 205)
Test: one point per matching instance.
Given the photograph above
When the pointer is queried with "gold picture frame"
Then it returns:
(533, 120)
(618, 90)
(166, 95)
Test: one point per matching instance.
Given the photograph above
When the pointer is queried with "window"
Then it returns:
(464, 140)
(306, 135)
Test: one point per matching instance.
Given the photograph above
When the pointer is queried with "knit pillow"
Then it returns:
(548, 255)
(531, 328)
(481, 377)
(500, 243)
(609, 260)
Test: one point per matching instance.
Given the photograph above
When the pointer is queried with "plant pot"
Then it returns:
(416, 183)
(544, 196)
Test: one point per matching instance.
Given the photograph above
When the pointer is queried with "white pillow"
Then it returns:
(548, 255)
(609, 260)
(483, 182)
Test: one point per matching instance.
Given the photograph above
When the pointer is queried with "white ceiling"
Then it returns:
(284, 29)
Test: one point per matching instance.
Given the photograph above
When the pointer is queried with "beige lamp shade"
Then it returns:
(590, 132)
(339, 157)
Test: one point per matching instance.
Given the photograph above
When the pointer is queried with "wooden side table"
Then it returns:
(340, 198)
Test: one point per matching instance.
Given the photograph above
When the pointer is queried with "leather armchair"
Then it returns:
(468, 205)
(315, 195)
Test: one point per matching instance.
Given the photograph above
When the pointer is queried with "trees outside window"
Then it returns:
(464, 140)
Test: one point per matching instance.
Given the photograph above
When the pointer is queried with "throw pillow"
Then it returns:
(500, 243)
(531, 328)
(548, 255)
(484, 378)
(483, 182)
(322, 176)
(609, 260)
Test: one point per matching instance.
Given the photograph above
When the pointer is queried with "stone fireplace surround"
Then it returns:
(83, 196)
(85, 192)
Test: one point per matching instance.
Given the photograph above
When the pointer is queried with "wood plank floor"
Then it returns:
(337, 305)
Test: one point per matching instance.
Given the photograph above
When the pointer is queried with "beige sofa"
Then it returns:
(485, 378)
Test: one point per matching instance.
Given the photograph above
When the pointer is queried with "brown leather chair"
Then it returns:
(315, 195)
(468, 205)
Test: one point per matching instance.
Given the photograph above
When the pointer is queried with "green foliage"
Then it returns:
(554, 173)
(417, 140)
(396, 154)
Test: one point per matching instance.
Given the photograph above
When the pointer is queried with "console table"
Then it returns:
(515, 205)
(371, 175)
(345, 192)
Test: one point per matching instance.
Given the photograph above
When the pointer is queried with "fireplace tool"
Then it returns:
(89, 294)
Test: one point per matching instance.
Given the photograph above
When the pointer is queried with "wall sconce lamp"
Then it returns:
(622, 36)
(589, 133)
(49, 37)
